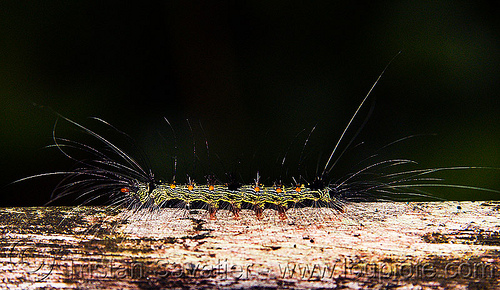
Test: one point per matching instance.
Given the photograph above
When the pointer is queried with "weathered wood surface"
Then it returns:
(433, 245)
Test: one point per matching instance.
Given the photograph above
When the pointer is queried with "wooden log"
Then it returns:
(431, 245)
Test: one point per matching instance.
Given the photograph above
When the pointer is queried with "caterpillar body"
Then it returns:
(125, 182)
(257, 195)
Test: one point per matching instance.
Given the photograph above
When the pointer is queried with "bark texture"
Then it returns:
(432, 245)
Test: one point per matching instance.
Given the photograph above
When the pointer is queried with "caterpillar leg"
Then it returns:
(212, 212)
(258, 212)
(235, 209)
(282, 212)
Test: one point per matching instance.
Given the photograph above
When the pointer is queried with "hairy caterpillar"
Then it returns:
(115, 174)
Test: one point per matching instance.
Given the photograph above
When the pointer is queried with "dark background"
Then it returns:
(255, 74)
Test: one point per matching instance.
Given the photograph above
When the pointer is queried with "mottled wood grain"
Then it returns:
(432, 245)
